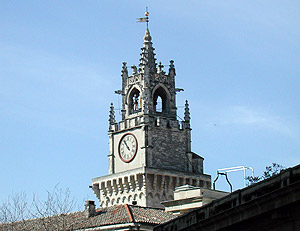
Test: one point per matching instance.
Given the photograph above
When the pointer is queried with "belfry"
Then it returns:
(149, 148)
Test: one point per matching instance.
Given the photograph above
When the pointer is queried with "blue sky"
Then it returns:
(60, 64)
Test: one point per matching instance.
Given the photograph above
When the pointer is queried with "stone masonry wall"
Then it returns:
(169, 149)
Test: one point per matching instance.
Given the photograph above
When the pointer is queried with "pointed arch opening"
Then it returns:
(160, 100)
(135, 104)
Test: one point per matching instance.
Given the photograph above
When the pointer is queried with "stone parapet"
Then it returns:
(144, 186)
(157, 121)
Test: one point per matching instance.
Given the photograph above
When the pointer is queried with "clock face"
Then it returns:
(128, 147)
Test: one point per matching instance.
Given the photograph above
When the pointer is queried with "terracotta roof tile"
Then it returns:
(150, 215)
(119, 214)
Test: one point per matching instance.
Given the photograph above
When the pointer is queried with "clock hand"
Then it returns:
(126, 145)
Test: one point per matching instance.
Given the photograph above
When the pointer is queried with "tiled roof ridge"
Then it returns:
(100, 209)
(146, 207)
(130, 205)
(131, 217)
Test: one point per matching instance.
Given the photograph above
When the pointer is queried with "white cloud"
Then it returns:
(260, 119)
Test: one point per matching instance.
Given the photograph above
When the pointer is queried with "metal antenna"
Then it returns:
(224, 172)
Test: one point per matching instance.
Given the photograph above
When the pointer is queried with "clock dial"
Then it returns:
(128, 147)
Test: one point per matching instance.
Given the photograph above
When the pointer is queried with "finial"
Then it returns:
(160, 67)
(147, 56)
(172, 64)
(134, 69)
(144, 19)
(112, 118)
(187, 112)
(124, 68)
(147, 16)
(172, 68)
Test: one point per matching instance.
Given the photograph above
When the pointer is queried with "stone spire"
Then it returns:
(147, 56)
(124, 70)
(187, 117)
(172, 68)
(124, 83)
(124, 75)
(112, 119)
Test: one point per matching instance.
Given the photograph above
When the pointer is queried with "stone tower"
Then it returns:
(149, 149)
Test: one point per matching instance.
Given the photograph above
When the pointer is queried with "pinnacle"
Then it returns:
(147, 37)
(147, 56)
(187, 112)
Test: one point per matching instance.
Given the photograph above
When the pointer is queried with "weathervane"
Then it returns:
(144, 19)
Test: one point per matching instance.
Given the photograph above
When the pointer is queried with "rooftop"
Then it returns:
(114, 215)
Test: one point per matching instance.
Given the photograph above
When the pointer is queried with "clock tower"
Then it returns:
(149, 149)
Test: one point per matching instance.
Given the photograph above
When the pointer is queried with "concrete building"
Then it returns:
(149, 149)
(187, 198)
(273, 204)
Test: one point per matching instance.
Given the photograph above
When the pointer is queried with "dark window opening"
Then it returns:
(160, 100)
(168, 124)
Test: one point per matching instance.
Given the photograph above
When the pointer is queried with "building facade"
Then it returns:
(149, 148)
(272, 204)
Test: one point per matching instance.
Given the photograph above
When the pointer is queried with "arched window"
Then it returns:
(160, 100)
(135, 101)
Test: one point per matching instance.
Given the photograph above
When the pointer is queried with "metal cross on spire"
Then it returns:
(144, 19)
